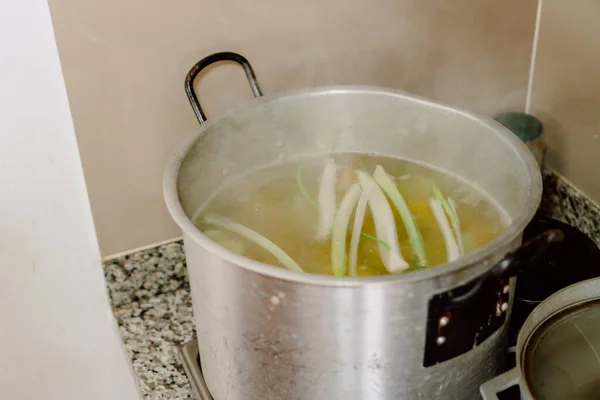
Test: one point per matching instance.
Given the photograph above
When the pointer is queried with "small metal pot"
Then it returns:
(558, 350)
(269, 333)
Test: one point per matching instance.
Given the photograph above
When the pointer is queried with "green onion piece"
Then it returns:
(375, 239)
(452, 252)
(340, 227)
(254, 237)
(414, 235)
(416, 264)
(301, 187)
(385, 225)
(450, 209)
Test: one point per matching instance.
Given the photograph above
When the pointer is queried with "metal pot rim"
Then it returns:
(480, 257)
(566, 299)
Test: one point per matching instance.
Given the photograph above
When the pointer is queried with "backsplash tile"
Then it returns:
(566, 90)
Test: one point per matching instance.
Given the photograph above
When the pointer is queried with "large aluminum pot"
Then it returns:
(269, 333)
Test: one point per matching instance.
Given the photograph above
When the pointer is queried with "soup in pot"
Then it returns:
(350, 214)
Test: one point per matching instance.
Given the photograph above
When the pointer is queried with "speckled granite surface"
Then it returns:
(151, 299)
(564, 202)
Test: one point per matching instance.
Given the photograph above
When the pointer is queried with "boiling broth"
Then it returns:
(280, 203)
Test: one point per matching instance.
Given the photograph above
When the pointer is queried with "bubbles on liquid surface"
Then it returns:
(280, 143)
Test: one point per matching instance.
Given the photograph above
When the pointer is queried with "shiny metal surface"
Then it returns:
(574, 297)
(270, 333)
(189, 357)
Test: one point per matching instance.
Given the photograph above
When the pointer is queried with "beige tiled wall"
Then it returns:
(124, 65)
(566, 90)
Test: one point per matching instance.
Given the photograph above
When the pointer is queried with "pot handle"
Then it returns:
(490, 389)
(517, 261)
(521, 259)
(205, 62)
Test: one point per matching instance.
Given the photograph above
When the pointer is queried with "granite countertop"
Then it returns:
(150, 295)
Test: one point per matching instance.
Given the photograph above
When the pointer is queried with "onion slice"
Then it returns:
(385, 225)
(326, 200)
(414, 234)
(449, 207)
(452, 252)
(254, 237)
(340, 228)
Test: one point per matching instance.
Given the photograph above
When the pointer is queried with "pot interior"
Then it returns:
(360, 120)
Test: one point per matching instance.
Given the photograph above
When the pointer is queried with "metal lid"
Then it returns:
(562, 357)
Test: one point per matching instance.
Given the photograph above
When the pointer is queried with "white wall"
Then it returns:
(58, 338)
